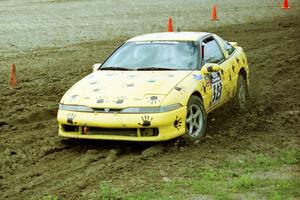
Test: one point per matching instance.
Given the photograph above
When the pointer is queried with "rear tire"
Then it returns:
(240, 100)
(195, 119)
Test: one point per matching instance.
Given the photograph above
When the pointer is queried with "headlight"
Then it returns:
(75, 108)
(152, 109)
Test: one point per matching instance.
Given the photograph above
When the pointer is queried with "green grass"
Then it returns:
(290, 157)
(263, 160)
(210, 185)
(228, 180)
(223, 182)
(244, 182)
(166, 190)
(288, 187)
(275, 196)
(50, 197)
(107, 192)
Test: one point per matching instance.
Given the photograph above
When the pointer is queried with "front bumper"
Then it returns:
(117, 126)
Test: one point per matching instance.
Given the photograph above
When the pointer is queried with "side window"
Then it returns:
(211, 51)
(226, 45)
(229, 48)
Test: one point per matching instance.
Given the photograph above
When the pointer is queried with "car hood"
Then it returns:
(120, 89)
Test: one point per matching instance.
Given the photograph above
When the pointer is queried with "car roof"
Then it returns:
(169, 36)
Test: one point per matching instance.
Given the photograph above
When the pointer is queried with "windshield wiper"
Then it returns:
(115, 68)
(153, 68)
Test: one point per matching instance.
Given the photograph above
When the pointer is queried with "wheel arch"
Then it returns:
(196, 93)
(243, 73)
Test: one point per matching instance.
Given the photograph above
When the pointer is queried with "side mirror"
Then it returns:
(96, 66)
(209, 68)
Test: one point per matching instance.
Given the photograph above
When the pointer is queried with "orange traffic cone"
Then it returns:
(214, 13)
(170, 25)
(285, 4)
(12, 79)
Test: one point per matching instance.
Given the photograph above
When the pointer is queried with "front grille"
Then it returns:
(69, 128)
(132, 132)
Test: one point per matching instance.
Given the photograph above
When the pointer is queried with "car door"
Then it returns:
(231, 65)
(216, 82)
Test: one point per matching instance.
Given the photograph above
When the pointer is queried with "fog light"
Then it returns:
(85, 130)
(149, 132)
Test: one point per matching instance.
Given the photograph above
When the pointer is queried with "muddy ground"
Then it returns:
(35, 162)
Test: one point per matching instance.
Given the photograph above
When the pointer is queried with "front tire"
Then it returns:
(195, 119)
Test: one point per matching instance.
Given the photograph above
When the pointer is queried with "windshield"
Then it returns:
(154, 55)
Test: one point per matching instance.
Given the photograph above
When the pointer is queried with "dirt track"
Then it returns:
(35, 162)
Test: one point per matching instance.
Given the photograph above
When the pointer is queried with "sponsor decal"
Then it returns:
(197, 77)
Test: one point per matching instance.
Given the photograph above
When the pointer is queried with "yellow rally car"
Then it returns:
(155, 87)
